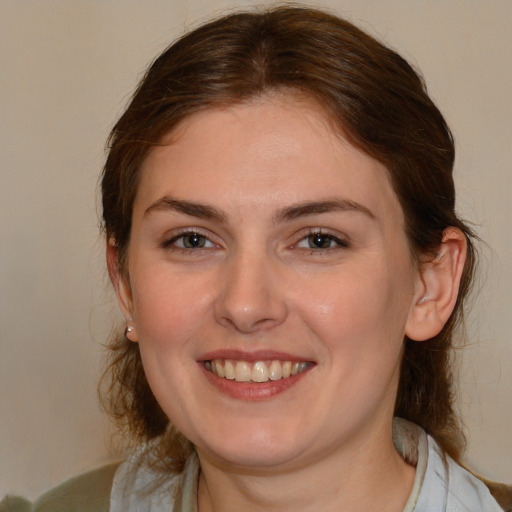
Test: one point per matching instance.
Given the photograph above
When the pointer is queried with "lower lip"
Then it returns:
(253, 390)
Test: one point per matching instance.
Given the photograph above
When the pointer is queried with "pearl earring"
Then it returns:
(129, 329)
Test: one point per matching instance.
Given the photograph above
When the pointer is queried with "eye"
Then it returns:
(321, 241)
(190, 240)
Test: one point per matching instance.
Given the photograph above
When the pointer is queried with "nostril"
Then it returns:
(247, 324)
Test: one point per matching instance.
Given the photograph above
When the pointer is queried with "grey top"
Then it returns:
(440, 485)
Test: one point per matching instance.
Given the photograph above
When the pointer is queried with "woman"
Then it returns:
(279, 213)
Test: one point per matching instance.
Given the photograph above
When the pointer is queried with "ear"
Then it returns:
(122, 289)
(438, 287)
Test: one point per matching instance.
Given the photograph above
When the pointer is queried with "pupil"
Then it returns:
(319, 241)
(194, 240)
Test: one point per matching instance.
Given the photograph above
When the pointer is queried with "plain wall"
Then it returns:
(67, 69)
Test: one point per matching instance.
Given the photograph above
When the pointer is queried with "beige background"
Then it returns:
(67, 68)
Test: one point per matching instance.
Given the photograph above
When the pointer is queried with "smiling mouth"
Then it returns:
(258, 371)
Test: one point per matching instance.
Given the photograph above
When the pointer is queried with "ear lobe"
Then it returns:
(440, 280)
(122, 288)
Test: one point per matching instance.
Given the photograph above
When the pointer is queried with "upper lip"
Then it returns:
(252, 356)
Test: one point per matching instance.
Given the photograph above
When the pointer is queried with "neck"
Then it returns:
(370, 477)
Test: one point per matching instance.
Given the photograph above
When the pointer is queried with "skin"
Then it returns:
(258, 288)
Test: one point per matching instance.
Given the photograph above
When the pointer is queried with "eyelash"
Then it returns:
(171, 243)
(340, 243)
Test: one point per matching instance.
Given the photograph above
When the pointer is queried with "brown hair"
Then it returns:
(379, 102)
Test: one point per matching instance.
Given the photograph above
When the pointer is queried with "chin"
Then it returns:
(254, 460)
(258, 448)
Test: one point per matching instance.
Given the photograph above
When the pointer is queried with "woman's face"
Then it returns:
(264, 244)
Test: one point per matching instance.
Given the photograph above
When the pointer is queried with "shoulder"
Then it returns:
(140, 484)
(88, 492)
(441, 483)
(15, 504)
(464, 490)
(502, 492)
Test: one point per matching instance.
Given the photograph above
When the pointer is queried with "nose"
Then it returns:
(252, 295)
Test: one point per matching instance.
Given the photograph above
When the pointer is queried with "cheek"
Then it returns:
(169, 313)
(168, 308)
(356, 310)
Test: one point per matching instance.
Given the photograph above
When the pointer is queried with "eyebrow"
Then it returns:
(199, 210)
(317, 207)
(296, 211)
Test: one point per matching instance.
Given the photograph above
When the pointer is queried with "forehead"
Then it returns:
(271, 149)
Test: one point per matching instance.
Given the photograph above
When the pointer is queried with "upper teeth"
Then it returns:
(260, 371)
